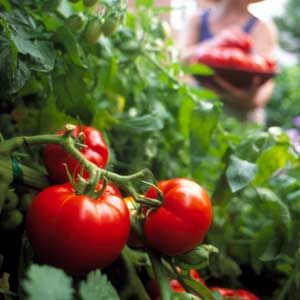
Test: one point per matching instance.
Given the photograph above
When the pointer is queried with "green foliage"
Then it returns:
(240, 173)
(125, 83)
(44, 282)
(284, 104)
(288, 27)
(97, 287)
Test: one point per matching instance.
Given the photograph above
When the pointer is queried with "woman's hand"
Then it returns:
(243, 98)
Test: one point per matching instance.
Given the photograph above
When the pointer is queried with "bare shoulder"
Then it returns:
(265, 37)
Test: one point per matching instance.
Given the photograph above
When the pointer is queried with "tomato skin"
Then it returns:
(240, 41)
(182, 220)
(245, 295)
(230, 294)
(55, 156)
(76, 232)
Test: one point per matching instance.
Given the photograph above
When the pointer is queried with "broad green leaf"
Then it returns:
(270, 161)
(41, 53)
(239, 173)
(198, 69)
(141, 124)
(47, 283)
(97, 287)
(268, 243)
(73, 49)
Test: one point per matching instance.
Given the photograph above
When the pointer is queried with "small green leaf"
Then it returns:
(270, 161)
(197, 258)
(239, 173)
(47, 283)
(97, 287)
(141, 124)
(197, 288)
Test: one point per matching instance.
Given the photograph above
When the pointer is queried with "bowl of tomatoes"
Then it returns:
(234, 62)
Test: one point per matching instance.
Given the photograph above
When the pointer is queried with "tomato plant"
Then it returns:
(76, 232)
(91, 144)
(183, 219)
(56, 69)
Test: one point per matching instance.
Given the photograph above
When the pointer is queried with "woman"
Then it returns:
(231, 17)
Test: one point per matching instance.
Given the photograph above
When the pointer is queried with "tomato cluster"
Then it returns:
(235, 53)
(81, 230)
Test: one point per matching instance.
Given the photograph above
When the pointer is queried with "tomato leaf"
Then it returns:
(67, 38)
(198, 69)
(271, 160)
(240, 173)
(197, 288)
(268, 243)
(97, 287)
(47, 283)
(141, 124)
(197, 258)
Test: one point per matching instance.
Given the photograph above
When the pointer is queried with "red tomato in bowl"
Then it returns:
(183, 219)
(76, 232)
(95, 150)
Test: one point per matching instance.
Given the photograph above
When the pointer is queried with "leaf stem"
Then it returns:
(67, 142)
(161, 276)
(135, 285)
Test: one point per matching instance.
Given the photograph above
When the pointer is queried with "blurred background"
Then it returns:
(285, 14)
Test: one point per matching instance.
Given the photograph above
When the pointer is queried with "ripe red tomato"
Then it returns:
(230, 294)
(238, 41)
(76, 232)
(95, 150)
(182, 220)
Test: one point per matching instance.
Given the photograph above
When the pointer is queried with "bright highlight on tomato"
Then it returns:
(182, 221)
(94, 149)
(76, 232)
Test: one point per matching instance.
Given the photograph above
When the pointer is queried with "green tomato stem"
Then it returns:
(67, 142)
(3, 190)
(31, 177)
(161, 276)
(7, 293)
(135, 285)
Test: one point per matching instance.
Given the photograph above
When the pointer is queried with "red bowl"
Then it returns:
(238, 77)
